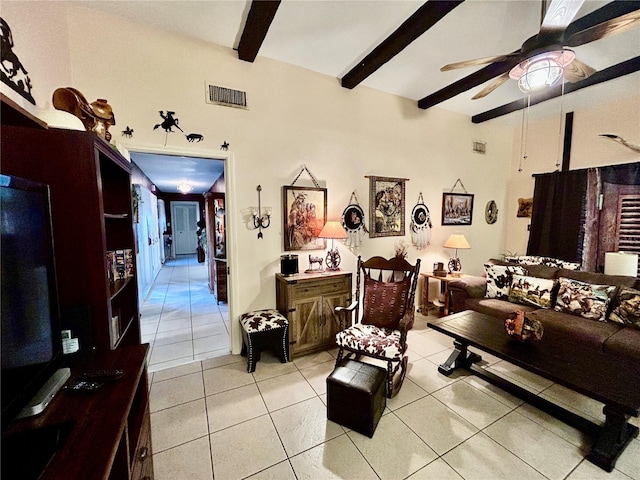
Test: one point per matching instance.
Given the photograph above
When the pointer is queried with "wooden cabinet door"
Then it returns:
(330, 320)
(304, 324)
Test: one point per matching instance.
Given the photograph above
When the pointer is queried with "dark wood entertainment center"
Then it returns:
(105, 434)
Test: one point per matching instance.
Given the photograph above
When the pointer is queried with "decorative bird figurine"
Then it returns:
(633, 146)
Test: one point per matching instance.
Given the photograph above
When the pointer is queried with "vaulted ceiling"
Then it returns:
(399, 46)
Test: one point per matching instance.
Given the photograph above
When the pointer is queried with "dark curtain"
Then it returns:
(558, 215)
(626, 174)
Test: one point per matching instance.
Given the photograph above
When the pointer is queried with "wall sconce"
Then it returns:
(261, 220)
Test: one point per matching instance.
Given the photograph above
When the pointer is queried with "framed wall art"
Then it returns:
(386, 206)
(305, 213)
(457, 208)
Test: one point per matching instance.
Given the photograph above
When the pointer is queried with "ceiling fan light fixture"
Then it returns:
(542, 70)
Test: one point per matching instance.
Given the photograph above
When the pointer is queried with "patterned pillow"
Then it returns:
(385, 302)
(539, 260)
(499, 279)
(532, 291)
(627, 307)
(584, 299)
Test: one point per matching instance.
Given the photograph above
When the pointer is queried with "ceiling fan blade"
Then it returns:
(605, 29)
(577, 71)
(558, 16)
(477, 61)
(492, 86)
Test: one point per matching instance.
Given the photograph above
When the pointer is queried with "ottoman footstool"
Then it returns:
(264, 330)
(356, 395)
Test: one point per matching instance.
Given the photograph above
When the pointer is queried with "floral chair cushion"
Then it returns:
(376, 341)
(260, 320)
(385, 302)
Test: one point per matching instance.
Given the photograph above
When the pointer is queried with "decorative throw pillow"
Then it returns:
(585, 299)
(531, 291)
(539, 260)
(627, 307)
(499, 279)
(385, 302)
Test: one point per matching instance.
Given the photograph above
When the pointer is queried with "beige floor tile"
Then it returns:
(336, 459)
(270, 366)
(570, 434)
(481, 458)
(410, 392)
(177, 425)
(317, 375)
(588, 471)
(190, 460)
(548, 453)
(424, 346)
(211, 344)
(222, 360)
(436, 470)
(170, 363)
(629, 461)
(285, 390)
(209, 330)
(522, 377)
(169, 373)
(495, 392)
(471, 404)
(168, 393)
(226, 377)
(394, 451)
(245, 449)
(425, 374)
(575, 402)
(313, 359)
(174, 351)
(441, 428)
(234, 406)
(304, 425)
(173, 336)
(281, 471)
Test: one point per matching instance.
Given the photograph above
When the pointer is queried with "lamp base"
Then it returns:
(333, 260)
(455, 266)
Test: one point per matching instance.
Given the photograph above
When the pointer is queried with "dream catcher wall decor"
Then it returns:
(420, 225)
(353, 222)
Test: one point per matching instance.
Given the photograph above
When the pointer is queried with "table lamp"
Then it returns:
(456, 241)
(333, 229)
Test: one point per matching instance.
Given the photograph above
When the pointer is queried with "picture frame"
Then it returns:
(457, 208)
(304, 214)
(386, 207)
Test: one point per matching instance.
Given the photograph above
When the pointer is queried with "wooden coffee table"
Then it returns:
(549, 359)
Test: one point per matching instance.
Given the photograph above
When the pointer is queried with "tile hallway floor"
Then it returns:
(211, 419)
(180, 318)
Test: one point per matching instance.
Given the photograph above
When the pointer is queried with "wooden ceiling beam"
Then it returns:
(422, 20)
(623, 68)
(261, 14)
(608, 12)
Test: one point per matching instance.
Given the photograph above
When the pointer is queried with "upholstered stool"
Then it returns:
(356, 396)
(264, 330)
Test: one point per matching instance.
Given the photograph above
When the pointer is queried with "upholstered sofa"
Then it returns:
(602, 341)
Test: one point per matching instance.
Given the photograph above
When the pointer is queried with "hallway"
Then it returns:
(180, 318)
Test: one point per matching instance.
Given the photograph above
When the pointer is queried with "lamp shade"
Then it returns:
(456, 241)
(620, 263)
(333, 229)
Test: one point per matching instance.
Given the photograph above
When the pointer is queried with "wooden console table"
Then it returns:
(548, 358)
(104, 435)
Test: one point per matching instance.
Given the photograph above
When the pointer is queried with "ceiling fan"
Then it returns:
(546, 57)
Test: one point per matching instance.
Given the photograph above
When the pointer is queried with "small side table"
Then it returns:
(444, 288)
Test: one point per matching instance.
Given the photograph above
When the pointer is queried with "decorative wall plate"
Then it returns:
(491, 212)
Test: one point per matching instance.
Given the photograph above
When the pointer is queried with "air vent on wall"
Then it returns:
(480, 147)
(227, 97)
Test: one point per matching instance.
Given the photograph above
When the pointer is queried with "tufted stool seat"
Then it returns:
(264, 330)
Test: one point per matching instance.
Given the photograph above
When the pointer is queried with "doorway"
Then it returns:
(184, 219)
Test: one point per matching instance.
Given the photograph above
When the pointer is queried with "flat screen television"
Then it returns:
(30, 337)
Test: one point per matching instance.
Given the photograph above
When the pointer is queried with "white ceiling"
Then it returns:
(331, 36)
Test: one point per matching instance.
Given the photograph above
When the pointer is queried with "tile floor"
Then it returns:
(211, 419)
(180, 318)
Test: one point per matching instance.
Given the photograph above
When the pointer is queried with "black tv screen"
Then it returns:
(30, 337)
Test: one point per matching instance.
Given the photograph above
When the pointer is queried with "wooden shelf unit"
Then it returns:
(308, 301)
(109, 431)
(91, 206)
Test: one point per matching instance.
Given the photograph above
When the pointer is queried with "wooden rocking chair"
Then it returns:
(387, 303)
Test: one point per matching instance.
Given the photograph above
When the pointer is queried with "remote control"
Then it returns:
(103, 375)
(83, 386)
